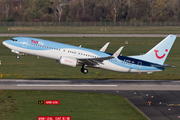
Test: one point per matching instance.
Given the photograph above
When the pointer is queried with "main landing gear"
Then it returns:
(84, 70)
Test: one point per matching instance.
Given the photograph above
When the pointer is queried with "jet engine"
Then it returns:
(70, 61)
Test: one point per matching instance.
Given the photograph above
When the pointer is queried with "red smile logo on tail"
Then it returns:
(160, 57)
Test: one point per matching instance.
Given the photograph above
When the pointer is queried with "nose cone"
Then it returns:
(4, 43)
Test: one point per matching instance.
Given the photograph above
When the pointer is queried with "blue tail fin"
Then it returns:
(159, 53)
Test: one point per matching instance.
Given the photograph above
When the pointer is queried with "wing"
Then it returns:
(96, 61)
(93, 61)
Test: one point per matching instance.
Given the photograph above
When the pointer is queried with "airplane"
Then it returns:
(73, 56)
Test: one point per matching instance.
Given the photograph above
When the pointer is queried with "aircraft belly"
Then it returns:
(117, 68)
(113, 67)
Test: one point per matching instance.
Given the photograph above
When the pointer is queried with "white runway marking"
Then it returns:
(40, 81)
(40, 85)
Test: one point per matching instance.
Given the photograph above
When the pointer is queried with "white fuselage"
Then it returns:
(53, 51)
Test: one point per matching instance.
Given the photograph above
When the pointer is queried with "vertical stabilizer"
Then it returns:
(159, 53)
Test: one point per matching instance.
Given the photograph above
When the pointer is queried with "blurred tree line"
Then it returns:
(90, 10)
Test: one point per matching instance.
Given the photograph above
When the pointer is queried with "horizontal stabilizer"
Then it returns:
(164, 65)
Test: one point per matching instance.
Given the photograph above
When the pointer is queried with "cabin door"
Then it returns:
(25, 42)
(139, 65)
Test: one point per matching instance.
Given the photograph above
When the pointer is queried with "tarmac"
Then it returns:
(156, 99)
(154, 104)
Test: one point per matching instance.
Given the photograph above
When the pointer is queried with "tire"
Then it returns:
(85, 71)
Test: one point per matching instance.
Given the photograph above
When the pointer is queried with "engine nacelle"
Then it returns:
(70, 61)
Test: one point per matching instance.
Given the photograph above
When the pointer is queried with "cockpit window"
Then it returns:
(14, 39)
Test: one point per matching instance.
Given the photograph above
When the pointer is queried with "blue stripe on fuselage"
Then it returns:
(129, 62)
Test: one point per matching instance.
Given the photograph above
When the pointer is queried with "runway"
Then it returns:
(9, 84)
(157, 99)
(155, 104)
(85, 35)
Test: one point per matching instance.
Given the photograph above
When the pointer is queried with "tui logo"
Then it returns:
(160, 57)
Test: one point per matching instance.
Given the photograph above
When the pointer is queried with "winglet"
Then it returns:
(103, 49)
(118, 52)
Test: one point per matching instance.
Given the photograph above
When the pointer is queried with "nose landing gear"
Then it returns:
(17, 56)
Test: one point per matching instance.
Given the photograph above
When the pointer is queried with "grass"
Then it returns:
(22, 105)
(91, 30)
(30, 67)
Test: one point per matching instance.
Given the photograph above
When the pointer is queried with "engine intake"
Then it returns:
(70, 61)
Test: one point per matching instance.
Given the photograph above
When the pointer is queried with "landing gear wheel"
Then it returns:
(17, 56)
(84, 70)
